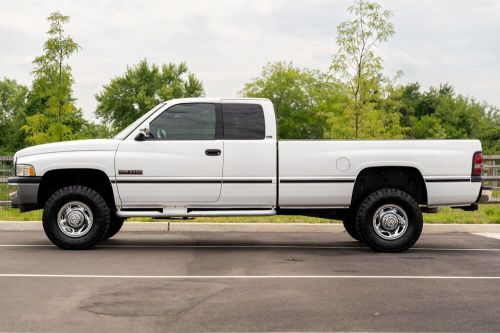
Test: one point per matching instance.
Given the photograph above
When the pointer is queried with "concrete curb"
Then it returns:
(254, 227)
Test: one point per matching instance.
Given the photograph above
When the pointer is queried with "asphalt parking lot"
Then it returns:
(248, 282)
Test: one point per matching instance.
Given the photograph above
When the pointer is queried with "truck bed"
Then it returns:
(325, 171)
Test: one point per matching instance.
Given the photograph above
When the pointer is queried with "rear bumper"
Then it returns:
(485, 194)
(25, 194)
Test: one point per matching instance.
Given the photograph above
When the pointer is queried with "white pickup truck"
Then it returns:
(221, 157)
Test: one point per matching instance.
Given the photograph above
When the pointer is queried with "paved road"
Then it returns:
(247, 282)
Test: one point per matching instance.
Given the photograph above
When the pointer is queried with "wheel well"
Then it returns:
(92, 178)
(407, 179)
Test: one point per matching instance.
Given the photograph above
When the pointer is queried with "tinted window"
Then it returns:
(185, 122)
(243, 122)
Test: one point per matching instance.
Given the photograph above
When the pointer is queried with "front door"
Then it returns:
(179, 164)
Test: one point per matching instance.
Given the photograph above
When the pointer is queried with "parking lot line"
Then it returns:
(122, 246)
(232, 277)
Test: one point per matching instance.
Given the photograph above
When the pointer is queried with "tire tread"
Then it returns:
(101, 217)
(375, 242)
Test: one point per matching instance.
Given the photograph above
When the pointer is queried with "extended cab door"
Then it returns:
(249, 178)
(179, 164)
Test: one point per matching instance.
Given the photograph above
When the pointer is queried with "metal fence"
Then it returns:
(491, 174)
(491, 177)
(6, 170)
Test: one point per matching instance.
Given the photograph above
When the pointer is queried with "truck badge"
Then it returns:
(130, 172)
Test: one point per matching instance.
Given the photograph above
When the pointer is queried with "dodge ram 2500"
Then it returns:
(221, 157)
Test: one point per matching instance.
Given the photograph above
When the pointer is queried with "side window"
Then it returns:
(243, 122)
(196, 121)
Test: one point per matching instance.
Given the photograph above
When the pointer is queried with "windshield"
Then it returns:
(130, 128)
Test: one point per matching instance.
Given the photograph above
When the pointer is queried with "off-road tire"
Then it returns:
(96, 203)
(116, 223)
(367, 210)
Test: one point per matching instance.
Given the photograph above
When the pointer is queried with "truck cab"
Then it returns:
(209, 153)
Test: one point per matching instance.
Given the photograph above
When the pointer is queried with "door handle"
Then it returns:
(212, 152)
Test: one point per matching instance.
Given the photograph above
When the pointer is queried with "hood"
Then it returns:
(77, 145)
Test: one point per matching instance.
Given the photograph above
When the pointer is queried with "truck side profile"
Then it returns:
(221, 157)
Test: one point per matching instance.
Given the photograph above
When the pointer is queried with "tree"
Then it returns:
(298, 96)
(129, 96)
(358, 67)
(489, 129)
(12, 114)
(440, 113)
(51, 107)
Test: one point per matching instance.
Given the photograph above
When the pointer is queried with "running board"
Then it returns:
(194, 213)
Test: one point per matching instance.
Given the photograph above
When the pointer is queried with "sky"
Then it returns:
(225, 43)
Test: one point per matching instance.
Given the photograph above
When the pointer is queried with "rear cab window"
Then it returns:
(243, 121)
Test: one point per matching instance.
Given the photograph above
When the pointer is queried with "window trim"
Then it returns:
(219, 125)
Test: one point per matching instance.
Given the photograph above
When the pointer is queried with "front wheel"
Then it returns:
(116, 223)
(389, 220)
(76, 217)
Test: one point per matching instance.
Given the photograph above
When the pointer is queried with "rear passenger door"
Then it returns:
(249, 173)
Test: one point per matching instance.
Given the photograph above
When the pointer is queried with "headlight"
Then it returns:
(25, 170)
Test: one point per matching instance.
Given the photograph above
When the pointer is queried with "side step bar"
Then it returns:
(194, 213)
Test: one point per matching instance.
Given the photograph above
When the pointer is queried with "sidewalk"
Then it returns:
(254, 227)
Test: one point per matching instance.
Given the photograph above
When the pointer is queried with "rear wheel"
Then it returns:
(75, 217)
(389, 220)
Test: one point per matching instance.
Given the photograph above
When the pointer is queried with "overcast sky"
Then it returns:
(226, 43)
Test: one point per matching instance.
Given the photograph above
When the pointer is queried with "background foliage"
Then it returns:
(129, 96)
(354, 99)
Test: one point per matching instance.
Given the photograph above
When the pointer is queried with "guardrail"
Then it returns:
(492, 170)
(5, 168)
(491, 176)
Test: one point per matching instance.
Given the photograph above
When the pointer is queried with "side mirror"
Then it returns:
(143, 135)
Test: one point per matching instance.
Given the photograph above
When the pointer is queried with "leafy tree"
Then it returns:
(143, 86)
(12, 114)
(51, 107)
(359, 68)
(428, 127)
(92, 130)
(489, 130)
(296, 95)
(440, 113)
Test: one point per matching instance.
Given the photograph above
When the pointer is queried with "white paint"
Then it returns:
(343, 164)
(168, 161)
(434, 159)
(250, 160)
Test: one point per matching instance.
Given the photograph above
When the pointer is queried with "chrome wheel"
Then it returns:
(390, 222)
(75, 219)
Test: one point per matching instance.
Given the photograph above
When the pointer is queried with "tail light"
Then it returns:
(477, 164)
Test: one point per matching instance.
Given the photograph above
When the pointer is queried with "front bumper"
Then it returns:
(25, 195)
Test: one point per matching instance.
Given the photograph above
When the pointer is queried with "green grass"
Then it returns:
(4, 192)
(485, 214)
